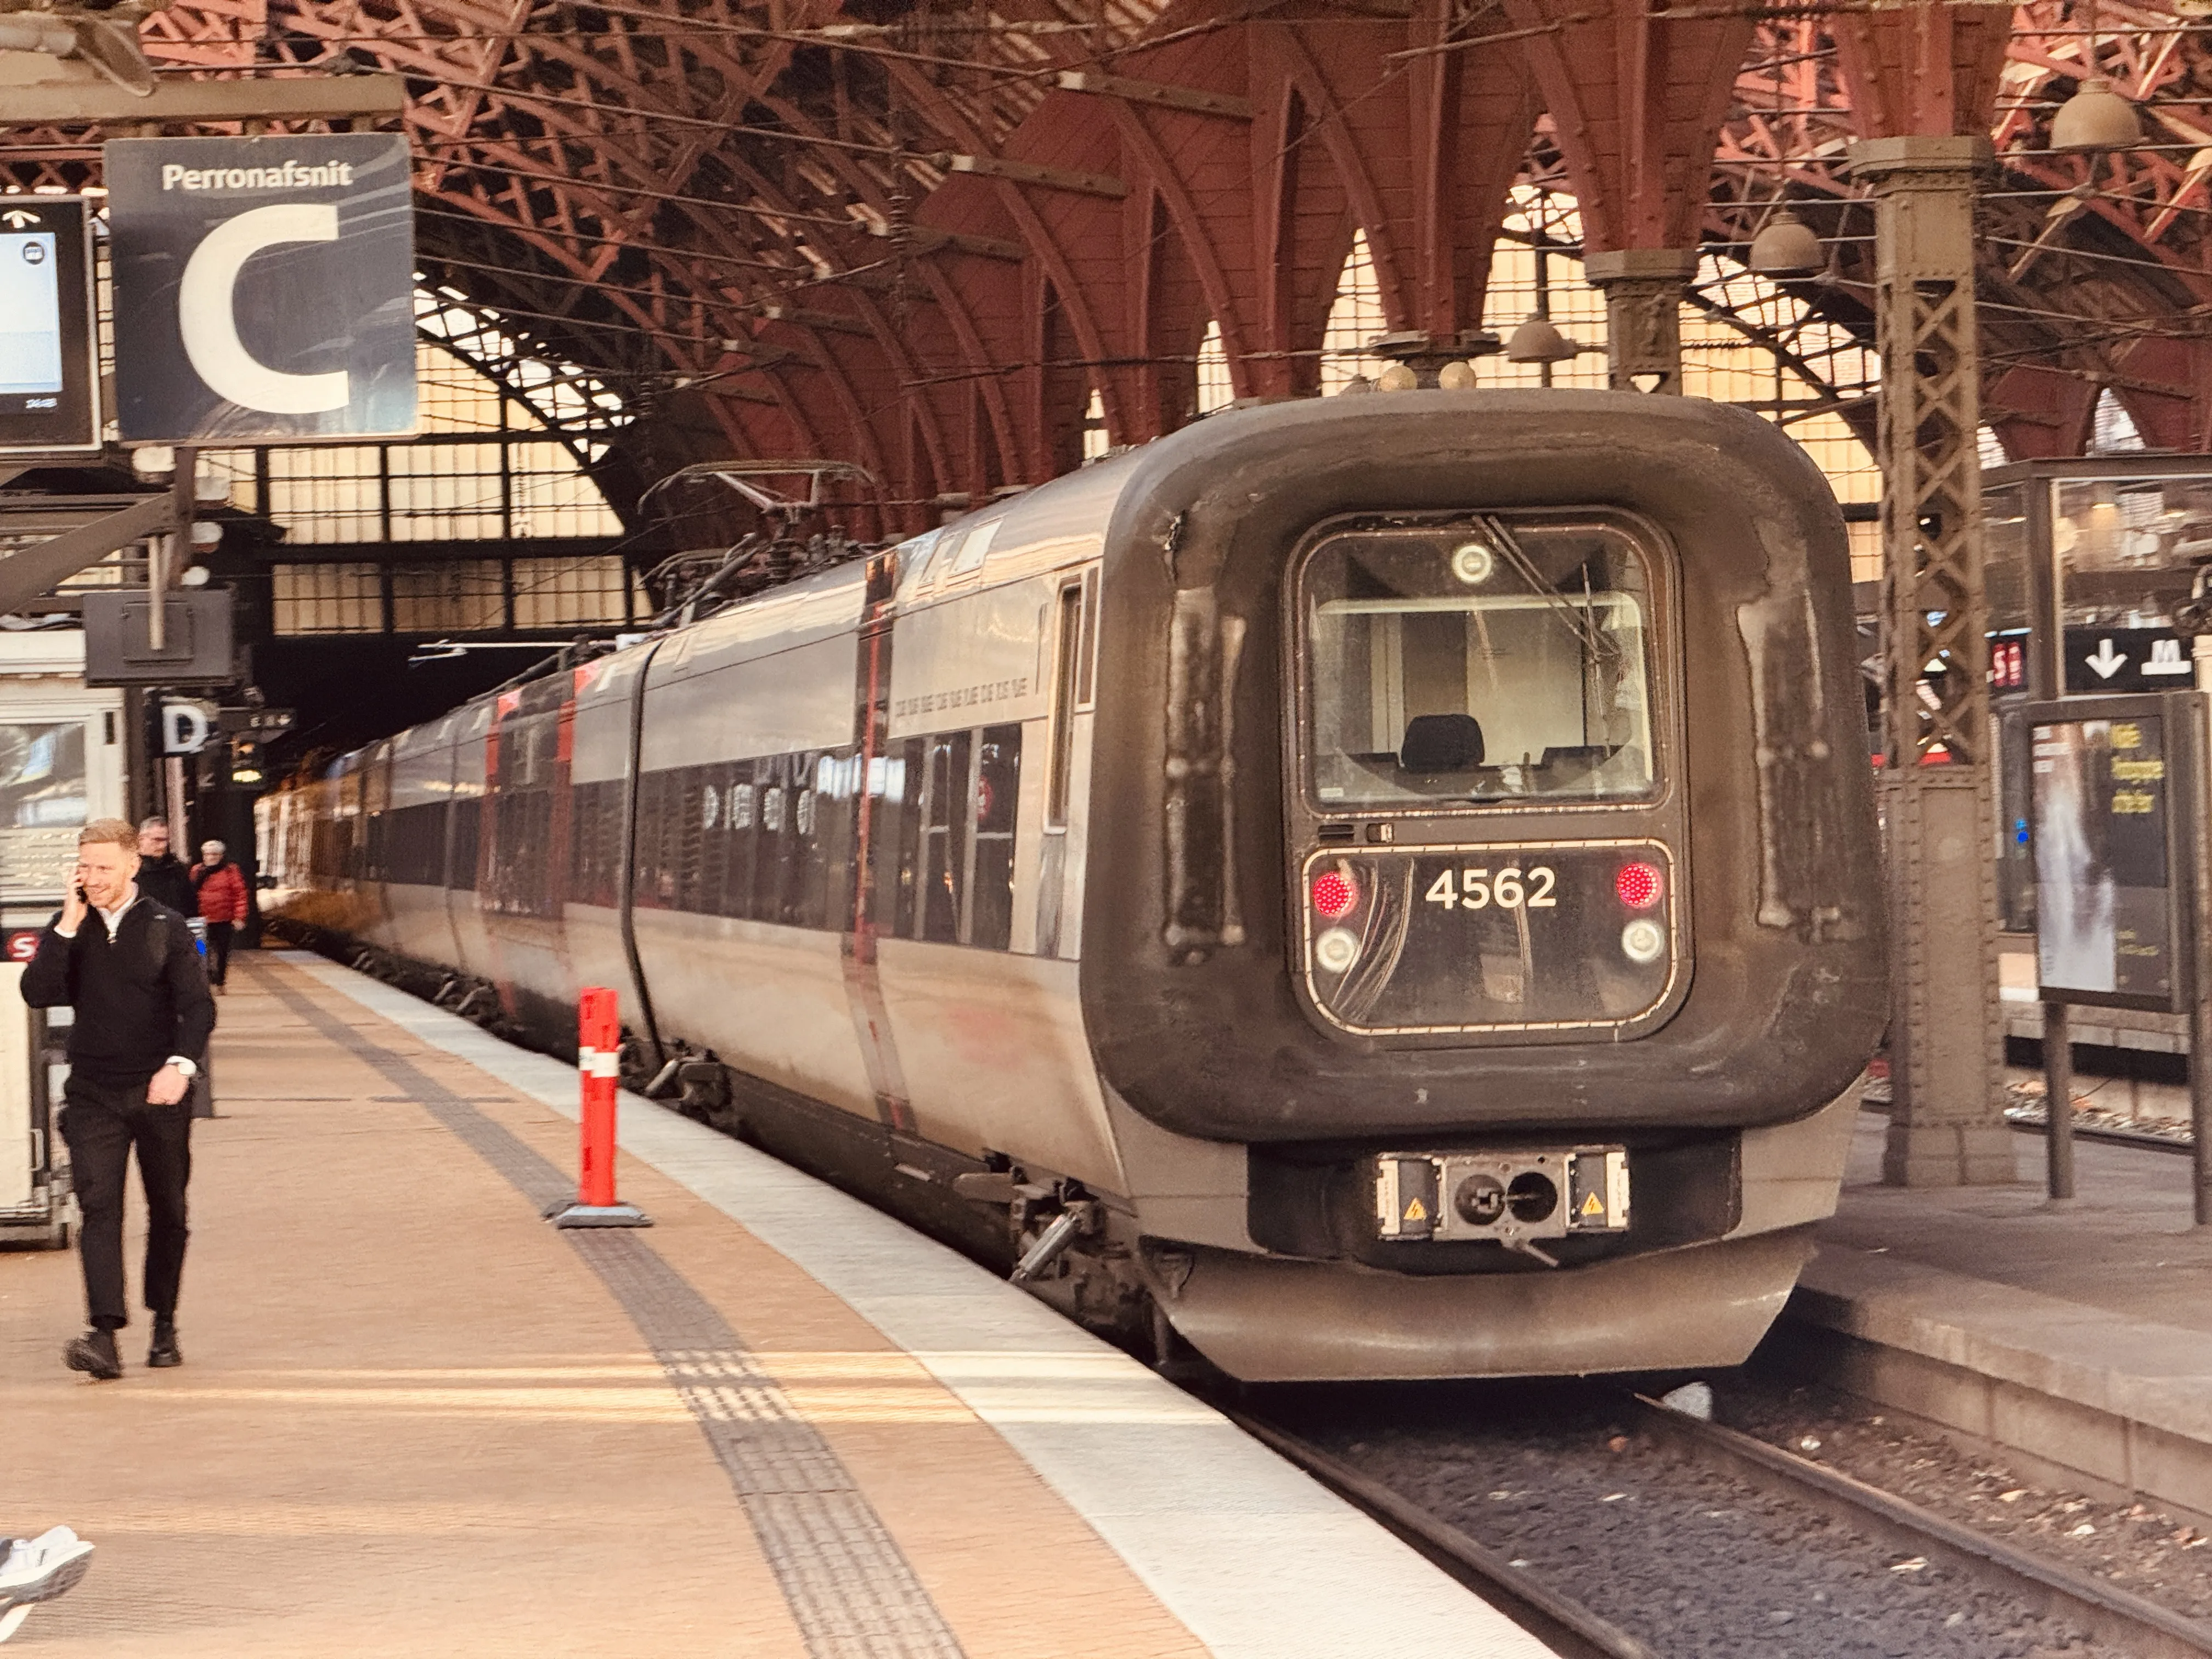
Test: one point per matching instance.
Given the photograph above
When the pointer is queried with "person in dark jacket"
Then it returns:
(220, 886)
(128, 968)
(162, 875)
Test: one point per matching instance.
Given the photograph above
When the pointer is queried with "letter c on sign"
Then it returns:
(207, 313)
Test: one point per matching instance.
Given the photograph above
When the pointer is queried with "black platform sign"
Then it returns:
(2102, 660)
(49, 362)
(2113, 809)
(264, 288)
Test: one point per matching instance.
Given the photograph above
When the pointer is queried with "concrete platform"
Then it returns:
(2078, 1341)
(414, 1419)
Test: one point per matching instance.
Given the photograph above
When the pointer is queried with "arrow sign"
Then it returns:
(18, 218)
(2099, 660)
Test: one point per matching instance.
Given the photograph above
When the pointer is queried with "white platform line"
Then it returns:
(1257, 1560)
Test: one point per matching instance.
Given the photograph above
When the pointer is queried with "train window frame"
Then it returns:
(967, 558)
(1069, 629)
(1663, 664)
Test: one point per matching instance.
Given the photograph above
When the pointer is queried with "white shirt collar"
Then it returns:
(114, 918)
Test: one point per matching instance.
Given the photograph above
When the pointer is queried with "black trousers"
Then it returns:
(102, 1122)
(218, 956)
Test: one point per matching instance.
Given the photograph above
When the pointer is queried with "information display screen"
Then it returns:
(30, 316)
(2112, 795)
(49, 374)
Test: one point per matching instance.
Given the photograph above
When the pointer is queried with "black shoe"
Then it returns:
(165, 1351)
(94, 1351)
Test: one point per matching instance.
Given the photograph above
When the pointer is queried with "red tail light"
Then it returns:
(1639, 885)
(1333, 895)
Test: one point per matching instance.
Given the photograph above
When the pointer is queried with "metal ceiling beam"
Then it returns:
(30, 571)
(267, 97)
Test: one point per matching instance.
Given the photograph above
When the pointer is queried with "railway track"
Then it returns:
(2119, 1621)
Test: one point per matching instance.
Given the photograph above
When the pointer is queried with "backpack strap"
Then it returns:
(157, 937)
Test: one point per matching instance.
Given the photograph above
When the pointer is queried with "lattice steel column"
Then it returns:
(1947, 1126)
(1643, 288)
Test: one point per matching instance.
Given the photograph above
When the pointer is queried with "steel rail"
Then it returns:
(1567, 1625)
(2136, 1137)
(2132, 1624)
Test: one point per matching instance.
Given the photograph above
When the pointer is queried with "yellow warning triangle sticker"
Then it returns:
(1591, 1207)
(1416, 1211)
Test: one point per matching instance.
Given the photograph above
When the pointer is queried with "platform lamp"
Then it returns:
(1537, 340)
(2095, 117)
(1786, 246)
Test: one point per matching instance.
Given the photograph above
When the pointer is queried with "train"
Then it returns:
(1361, 888)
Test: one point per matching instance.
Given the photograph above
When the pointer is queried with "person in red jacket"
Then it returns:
(221, 890)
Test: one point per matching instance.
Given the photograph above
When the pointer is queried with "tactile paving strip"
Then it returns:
(852, 1590)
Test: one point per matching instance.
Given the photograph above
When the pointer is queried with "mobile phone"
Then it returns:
(82, 897)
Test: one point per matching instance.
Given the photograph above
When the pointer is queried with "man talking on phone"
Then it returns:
(127, 966)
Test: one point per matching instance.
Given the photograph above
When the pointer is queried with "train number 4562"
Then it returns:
(1508, 890)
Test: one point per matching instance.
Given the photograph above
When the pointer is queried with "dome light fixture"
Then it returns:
(1397, 378)
(1456, 375)
(2096, 118)
(1785, 246)
(1536, 341)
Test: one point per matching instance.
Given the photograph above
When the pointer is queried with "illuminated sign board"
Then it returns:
(49, 362)
(2114, 820)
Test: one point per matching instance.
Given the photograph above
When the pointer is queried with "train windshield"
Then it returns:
(1481, 661)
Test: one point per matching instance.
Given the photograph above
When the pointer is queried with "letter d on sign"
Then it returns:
(207, 316)
(183, 729)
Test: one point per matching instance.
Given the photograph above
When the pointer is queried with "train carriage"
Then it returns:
(1381, 887)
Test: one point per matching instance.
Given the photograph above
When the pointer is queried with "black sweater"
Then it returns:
(138, 998)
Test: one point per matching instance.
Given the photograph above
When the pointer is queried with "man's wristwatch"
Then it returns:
(189, 1067)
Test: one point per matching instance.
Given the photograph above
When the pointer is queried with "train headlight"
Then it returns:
(1336, 950)
(1334, 893)
(1642, 940)
(1472, 563)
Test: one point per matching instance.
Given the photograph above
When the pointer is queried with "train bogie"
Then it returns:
(1248, 854)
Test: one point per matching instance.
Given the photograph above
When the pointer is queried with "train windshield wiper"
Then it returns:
(1580, 620)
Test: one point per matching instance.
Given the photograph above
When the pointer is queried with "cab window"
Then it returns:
(1484, 660)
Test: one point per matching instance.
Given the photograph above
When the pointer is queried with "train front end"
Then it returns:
(1494, 923)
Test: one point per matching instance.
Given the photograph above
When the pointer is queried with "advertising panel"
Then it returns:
(2113, 806)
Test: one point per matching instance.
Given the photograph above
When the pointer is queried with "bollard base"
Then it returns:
(600, 1215)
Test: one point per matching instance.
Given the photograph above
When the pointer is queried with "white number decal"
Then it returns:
(1474, 889)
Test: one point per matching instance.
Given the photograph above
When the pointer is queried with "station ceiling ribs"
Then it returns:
(922, 237)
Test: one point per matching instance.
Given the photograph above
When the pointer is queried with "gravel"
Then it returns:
(2135, 1547)
(1692, 1562)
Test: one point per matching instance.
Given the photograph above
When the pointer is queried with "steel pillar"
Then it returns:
(1643, 288)
(1946, 1119)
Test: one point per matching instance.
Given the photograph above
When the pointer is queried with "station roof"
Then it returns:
(925, 239)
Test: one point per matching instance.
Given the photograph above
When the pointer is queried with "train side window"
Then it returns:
(646, 883)
(895, 834)
(738, 816)
(944, 794)
(1067, 638)
(991, 859)
(1086, 660)
(465, 831)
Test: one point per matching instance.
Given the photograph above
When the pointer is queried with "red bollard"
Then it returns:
(599, 1048)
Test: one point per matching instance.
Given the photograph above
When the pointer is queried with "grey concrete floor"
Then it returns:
(2127, 1247)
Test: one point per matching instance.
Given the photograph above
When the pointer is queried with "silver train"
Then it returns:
(1375, 888)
